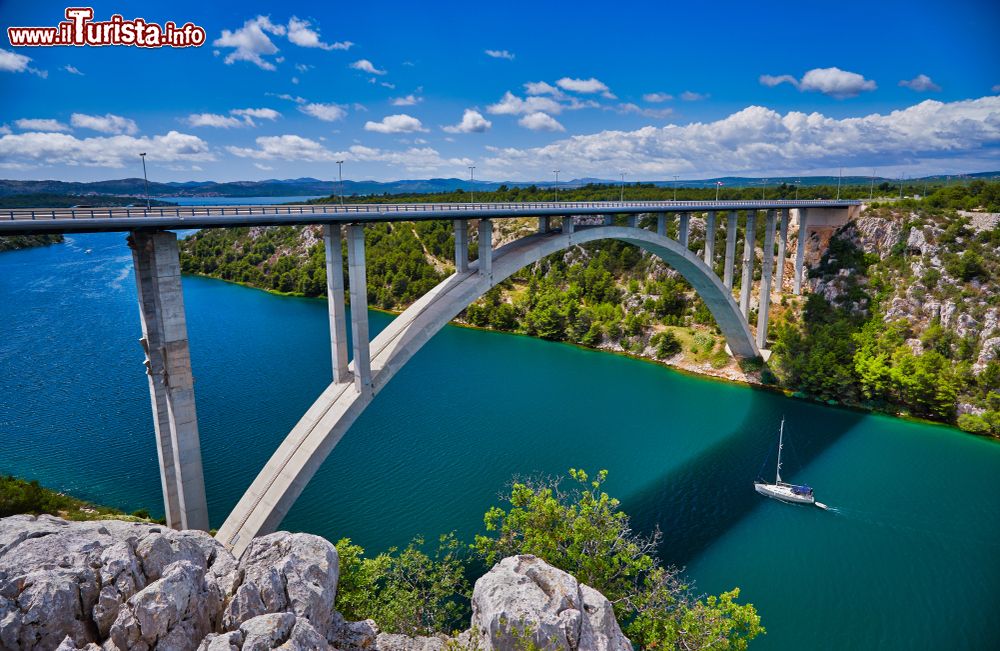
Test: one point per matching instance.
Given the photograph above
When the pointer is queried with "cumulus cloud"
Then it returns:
(364, 65)
(409, 100)
(236, 118)
(300, 33)
(472, 122)
(251, 42)
(834, 82)
(107, 123)
(921, 83)
(399, 123)
(500, 54)
(540, 122)
(324, 112)
(40, 124)
(72, 70)
(511, 104)
(629, 107)
(588, 86)
(657, 98)
(759, 140)
(260, 113)
(286, 147)
(14, 62)
(996, 89)
(414, 159)
(691, 96)
(102, 151)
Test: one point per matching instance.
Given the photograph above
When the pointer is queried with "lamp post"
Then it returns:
(763, 189)
(556, 172)
(472, 184)
(144, 178)
(871, 190)
(340, 177)
(797, 184)
(839, 177)
(622, 199)
(718, 184)
(675, 187)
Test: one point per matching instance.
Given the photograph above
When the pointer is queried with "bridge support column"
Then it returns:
(485, 247)
(765, 282)
(748, 256)
(683, 228)
(543, 224)
(335, 301)
(633, 221)
(609, 220)
(568, 224)
(359, 307)
(800, 252)
(171, 381)
(661, 224)
(727, 272)
(461, 246)
(710, 238)
(782, 243)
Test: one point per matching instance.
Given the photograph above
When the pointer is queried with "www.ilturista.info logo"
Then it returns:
(80, 29)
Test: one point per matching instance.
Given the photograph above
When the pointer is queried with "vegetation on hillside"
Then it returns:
(579, 529)
(23, 496)
(14, 242)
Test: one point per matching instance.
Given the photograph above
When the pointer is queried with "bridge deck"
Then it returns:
(26, 221)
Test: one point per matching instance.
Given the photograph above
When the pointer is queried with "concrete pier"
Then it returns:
(359, 307)
(710, 238)
(727, 271)
(461, 246)
(800, 252)
(609, 220)
(171, 381)
(485, 247)
(767, 264)
(782, 243)
(335, 301)
(661, 224)
(543, 224)
(633, 221)
(748, 255)
(568, 224)
(684, 228)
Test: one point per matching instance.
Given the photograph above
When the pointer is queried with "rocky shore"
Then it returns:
(114, 586)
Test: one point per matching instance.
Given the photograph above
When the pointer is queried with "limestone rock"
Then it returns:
(285, 572)
(396, 642)
(523, 596)
(351, 636)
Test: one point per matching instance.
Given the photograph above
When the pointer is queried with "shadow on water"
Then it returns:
(699, 501)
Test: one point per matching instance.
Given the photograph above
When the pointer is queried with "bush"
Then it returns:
(974, 424)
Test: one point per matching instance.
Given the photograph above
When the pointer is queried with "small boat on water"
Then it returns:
(780, 490)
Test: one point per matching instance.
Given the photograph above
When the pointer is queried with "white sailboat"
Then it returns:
(779, 490)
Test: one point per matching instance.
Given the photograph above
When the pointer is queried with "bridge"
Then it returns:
(356, 382)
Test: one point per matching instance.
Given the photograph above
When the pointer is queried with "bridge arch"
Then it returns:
(285, 475)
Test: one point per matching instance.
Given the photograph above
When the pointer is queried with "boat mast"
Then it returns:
(781, 438)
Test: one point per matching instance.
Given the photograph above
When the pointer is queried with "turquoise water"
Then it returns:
(907, 560)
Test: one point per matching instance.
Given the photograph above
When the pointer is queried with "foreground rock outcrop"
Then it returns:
(114, 586)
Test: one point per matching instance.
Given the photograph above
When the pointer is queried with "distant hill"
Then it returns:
(134, 187)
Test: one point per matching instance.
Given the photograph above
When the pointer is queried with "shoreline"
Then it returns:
(691, 370)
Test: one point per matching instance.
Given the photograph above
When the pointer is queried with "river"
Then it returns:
(908, 557)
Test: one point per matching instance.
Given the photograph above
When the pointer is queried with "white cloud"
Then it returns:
(386, 84)
(260, 113)
(73, 70)
(364, 65)
(262, 166)
(540, 122)
(303, 67)
(691, 96)
(14, 62)
(324, 112)
(301, 34)
(286, 147)
(409, 100)
(996, 89)
(414, 159)
(511, 104)
(658, 114)
(543, 88)
(920, 83)
(290, 98)
(102, 151)
(657, 98)
(107, 123)
(834, 82)
(500, 54)
(588, 86)
(251, 42)
(400, 123)
(40, 124)
(297, 148)
(759, 140)
(214, 120)
(472, 122)
(4, 130)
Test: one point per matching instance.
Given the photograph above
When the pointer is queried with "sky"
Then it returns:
(517, 89)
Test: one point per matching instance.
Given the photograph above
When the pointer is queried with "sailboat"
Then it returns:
(780, 490)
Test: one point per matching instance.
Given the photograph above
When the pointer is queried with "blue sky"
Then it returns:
(409, 90)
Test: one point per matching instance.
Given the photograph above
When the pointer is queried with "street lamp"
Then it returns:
(797, 184)
(718, 184)
(763, 189)
(622, 199)
(675, 187)
(472, 184)
(871, 191)
(144, 178)
(556, 172)
(340, 177)
(839, 177)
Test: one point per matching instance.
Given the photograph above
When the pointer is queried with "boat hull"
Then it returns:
(782, 493)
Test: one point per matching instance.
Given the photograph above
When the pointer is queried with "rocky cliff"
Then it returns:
(116, 586)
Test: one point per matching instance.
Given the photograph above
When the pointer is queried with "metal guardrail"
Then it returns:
(395, 208)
